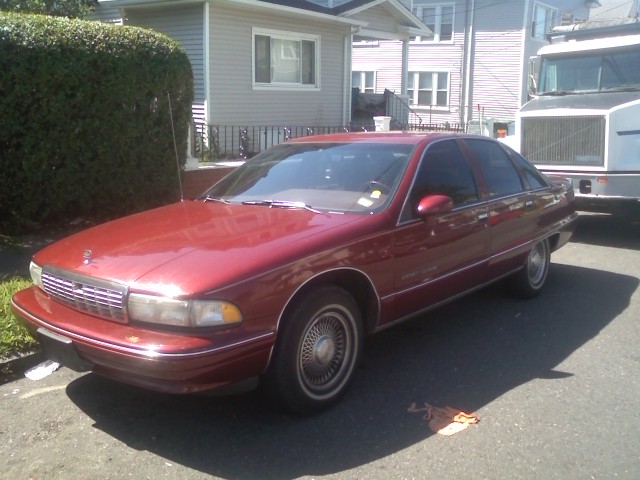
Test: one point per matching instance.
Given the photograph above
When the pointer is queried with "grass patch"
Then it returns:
(14, 338)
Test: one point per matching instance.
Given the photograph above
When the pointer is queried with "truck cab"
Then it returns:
(583, 122)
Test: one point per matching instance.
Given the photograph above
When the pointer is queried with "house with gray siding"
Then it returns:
(472, 68)
(269, 62)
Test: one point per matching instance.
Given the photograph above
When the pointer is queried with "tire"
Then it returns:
(316, 352)
(530, 280)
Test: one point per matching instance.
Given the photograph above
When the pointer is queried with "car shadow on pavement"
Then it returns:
(618, 231)
(466, 355)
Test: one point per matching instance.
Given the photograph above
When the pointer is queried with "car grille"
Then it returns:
(575, 140)
(97, 297)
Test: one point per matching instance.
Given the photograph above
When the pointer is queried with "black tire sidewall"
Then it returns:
(283, 377)
(520, 284)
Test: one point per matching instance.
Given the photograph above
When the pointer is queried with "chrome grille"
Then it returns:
(96, 297)
(575, 140)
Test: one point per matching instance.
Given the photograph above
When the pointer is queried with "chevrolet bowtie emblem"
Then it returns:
(86, 255)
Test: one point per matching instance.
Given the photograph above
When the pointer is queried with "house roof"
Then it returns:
(408, 23)
(304, 5)
(347, 13)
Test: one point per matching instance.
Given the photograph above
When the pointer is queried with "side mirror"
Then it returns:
(434, 205)
(532, 86)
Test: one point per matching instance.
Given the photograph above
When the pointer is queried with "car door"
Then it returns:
(443, 255)
(511, 206)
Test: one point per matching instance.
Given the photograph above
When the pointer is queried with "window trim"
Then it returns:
(418, 4)
(363, 77)
(285, 35)
(434, 89)
(549, 9)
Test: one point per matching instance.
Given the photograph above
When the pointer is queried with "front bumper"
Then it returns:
(173, 362)
(602, 192)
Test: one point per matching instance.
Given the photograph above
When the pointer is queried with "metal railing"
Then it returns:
(438, 127)
(402, 115)
(219, 142)
(215, 143)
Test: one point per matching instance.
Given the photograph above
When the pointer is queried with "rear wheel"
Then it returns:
(528, 282)
(316, 352)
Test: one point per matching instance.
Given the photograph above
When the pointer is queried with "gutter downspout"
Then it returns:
(405, 67)
(468, 64)
(207, 64)
(346, 94)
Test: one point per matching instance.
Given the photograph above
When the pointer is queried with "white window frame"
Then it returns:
(417, 7)
(413, 99)
(285, 36)
(548, 23)
(363, 78)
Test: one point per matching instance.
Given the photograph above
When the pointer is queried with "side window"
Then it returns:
(531, 174)
(443, 170)
(500, 175)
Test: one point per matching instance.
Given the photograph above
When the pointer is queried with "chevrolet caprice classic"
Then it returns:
(278, 272)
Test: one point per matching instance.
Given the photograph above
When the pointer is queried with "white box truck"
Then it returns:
(583, 122)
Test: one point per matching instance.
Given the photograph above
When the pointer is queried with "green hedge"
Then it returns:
(85, 119)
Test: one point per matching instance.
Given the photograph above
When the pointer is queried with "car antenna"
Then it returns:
(175, 148)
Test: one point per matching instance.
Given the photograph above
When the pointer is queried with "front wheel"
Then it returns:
(317, 349)
(528, 282)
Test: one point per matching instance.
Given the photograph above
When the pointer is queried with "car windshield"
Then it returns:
(340, 177)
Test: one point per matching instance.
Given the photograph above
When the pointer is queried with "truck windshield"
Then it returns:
(589, 72)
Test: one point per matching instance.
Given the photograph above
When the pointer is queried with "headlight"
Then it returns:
(35, 271)
(182, 313)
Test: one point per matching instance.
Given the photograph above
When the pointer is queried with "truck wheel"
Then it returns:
(318, 347)
(528, 282)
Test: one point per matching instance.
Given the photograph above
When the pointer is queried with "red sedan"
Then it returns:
(279, 270)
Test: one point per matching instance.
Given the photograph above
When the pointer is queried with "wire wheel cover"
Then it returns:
(537, 264)
(325, 351)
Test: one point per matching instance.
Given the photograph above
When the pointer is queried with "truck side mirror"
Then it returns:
(532, 86)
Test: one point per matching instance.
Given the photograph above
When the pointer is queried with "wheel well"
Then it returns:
(352, 281)
(553, 242)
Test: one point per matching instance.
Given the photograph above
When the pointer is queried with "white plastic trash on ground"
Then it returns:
(42, 370)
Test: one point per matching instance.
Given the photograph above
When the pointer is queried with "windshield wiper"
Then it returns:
(209, 198)
(557, 93)
(280, 204)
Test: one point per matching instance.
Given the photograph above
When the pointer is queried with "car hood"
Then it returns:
(194, 246)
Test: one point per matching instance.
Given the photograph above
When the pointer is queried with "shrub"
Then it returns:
(14, 337)
(85, 119)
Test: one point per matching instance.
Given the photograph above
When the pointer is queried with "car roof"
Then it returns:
(411, 138)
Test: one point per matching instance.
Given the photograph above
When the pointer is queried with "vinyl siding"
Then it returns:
(442, 57)
(184, 24)
(379, 18)
(233, 99)
(502, 45)
(105, 14)
(385, 59)
(497, 61)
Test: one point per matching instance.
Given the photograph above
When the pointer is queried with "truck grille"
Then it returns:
(96, 297)
(564, 140)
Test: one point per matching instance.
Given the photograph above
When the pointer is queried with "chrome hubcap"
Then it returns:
(325, 351)
(537, 264)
